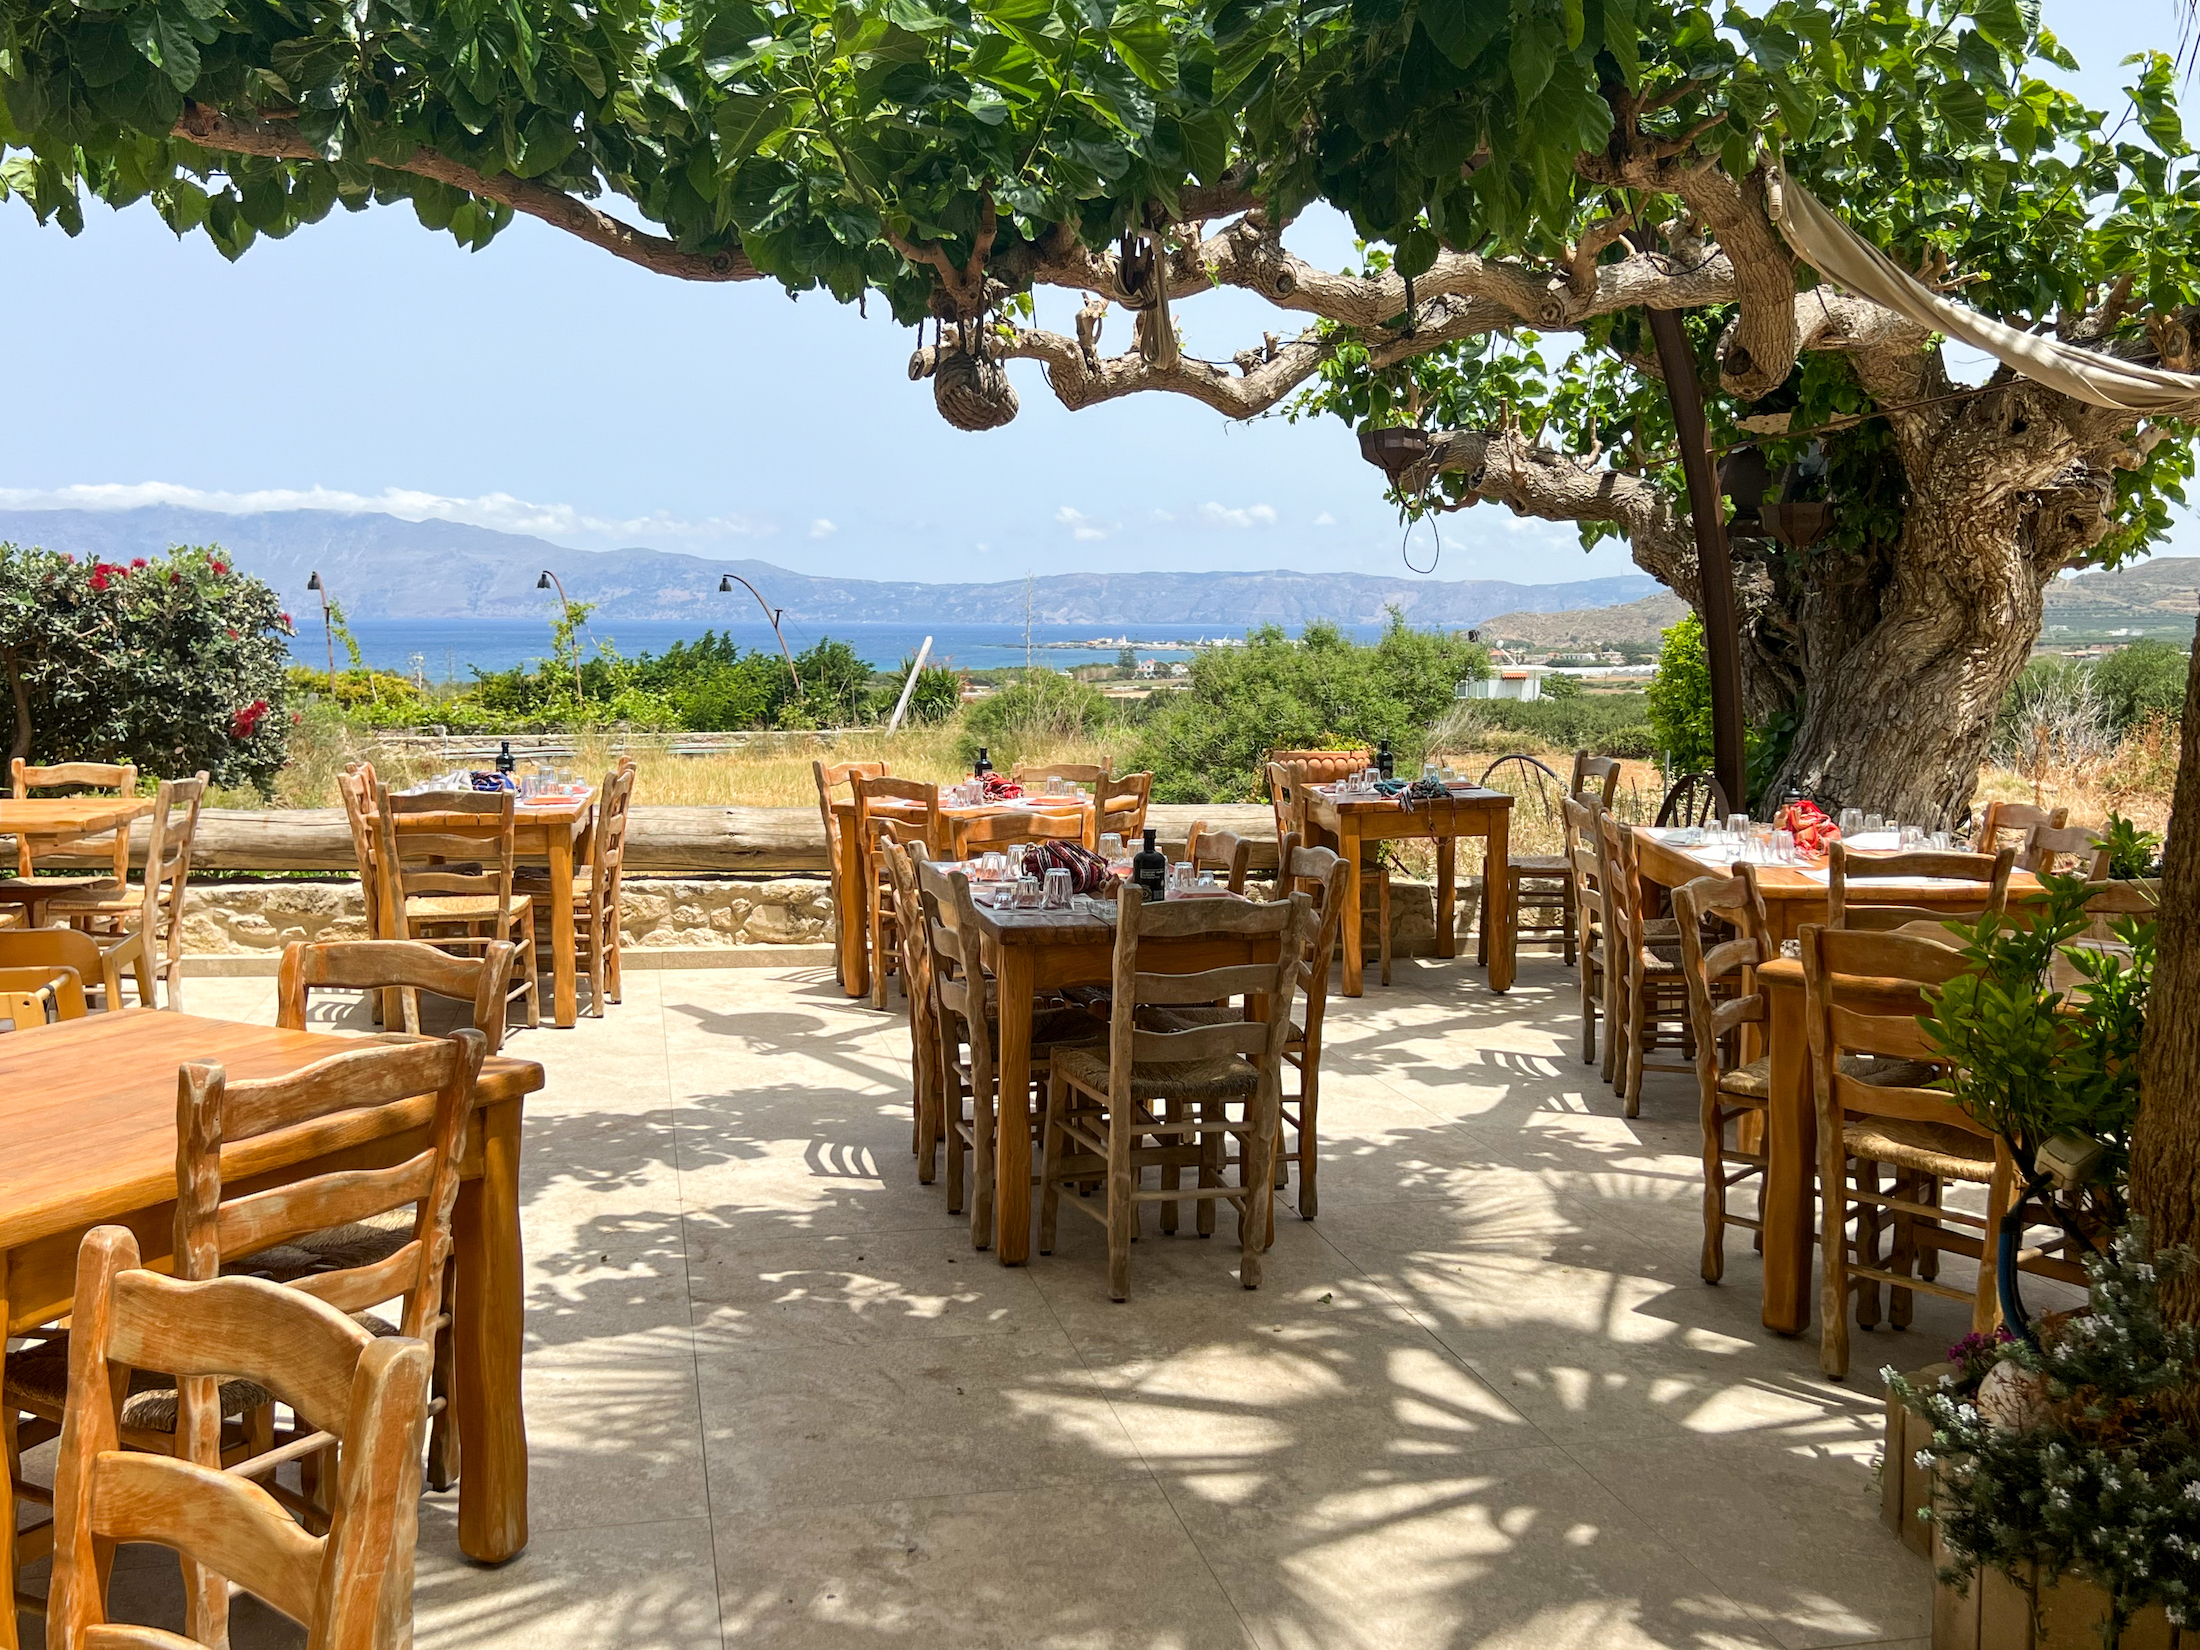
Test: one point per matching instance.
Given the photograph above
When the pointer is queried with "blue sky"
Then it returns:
(542, 386)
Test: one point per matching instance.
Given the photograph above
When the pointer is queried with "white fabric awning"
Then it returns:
(1848, 260)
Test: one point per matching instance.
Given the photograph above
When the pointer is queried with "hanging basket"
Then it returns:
(973, 393)
(1394, 449)
(1798, 526)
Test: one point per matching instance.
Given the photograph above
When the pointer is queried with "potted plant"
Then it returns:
(2066, 1508)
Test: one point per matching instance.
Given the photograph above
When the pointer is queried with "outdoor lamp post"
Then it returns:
(328, 628)
(726, 584)
(546, 582)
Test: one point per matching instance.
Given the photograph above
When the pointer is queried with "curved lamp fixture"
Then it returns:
(771, 613)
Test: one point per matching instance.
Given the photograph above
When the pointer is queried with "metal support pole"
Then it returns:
(1715, 570)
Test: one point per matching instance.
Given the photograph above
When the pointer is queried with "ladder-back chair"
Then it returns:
(1119, 806)
(1593, 949)
(76, 778)
(1649, 1006)
(909, 803)
(2017, 817)
(1881, 879)
(1725, 1003)
(141, 928)
(1541, 878)
(1223, 851)
(831, 777)
(447, 876)
(2071, 850)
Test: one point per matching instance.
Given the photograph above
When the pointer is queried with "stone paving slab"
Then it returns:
(775, 1397)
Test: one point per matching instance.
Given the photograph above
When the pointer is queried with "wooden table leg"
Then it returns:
(488, 1318)
(1791, 1127)
(1497, 895)
(1012, 1111)
(563, 1007)
(1447, 894)
(1348, 846)
(855, 917)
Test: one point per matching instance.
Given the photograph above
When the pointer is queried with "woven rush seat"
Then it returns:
(463, 907)
(1754, 1081)
(38, 1380)
(1233, 1078)
(1930, 1148)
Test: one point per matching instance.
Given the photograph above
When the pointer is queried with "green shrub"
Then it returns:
(1205, 744)
(1611, 724)
(1039, 712)
(2145, 679)
(1680, 697)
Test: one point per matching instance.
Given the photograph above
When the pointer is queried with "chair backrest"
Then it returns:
(26, 994)
(1601, 772)
(1850, 874)
(2019, 817)
(830, 776)
(53, 948)
(1288, 921)
(1322, 767)
(175, 828)
(1283, 801)
(956, 966)
(1536, 793)
(352, 1586)
(1621, 893)
(1694, 799)
(607, 848)
(2045, 846)
(1119, 804)
(1010, 828)
(115, 778)
(409, 966)
(1585, 861)
(1220, 850)
(356, 788)
(900, 859)
(1863, 991)
(1735, 901)
(1092, 774)
(1320, 874)
(443, 844)
(906, 801)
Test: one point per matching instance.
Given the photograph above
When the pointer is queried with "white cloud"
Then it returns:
(1082, 526)
(501, 511)
(1325, 519)
(822, 529)
(1252, 515)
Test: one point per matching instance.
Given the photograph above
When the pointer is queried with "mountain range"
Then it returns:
(383, 567)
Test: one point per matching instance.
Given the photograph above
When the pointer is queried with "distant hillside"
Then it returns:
(381, 567)
(1581, 626)
(2159, 596)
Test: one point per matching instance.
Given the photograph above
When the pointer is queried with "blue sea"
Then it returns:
(453, 649)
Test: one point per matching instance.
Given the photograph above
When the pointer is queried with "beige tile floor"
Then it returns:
(776, 1399)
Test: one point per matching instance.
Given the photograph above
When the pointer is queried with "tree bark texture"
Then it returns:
(2165, 1145)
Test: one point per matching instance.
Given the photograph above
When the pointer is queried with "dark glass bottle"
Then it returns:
(1150, 870)
(984, 764)
(504, 758)
(1385, 763)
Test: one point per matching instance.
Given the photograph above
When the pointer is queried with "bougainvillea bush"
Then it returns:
(174, 663)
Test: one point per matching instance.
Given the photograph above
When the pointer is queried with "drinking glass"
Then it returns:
(1852, 821)
(1783, 847)
(1028, 893)
(1737, 825)
(1938, 840)
(1760, 841)
(1448, 775)
(1054, 784)
(1111, 846)
(1057, 889)
(1181, 877)
(1913, 836)
(1872, 822)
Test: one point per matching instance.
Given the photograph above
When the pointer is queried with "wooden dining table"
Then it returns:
(1349, 824)
(856, 893)
(1034, 951)
(551, 829)
(44, 825)
(1788, 1202)
(88, 1109)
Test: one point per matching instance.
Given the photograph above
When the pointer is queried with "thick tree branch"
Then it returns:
(1080, 379)
(282, 140)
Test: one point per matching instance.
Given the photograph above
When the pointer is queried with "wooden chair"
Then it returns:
(1033, 776)
(918, 994)
(1286, 800)
(1694, 799)
(407, 967)
(1223, 851)
(217, 1231)
(1596, 776)
(30, 894)
(2105, 901)
(830, 777)
(1723, 999)
(1649, 1006)
(2019, 817)
(351, 1585)
(2046, 847)
(446, 863)
(596, 887)
(967, 838)
(141, 928)
(1850, 874)
(1178, 1088)
(36, 996)
(1863, 991)
(1119, 805)
(1585, 847)
(906, 802)
(52, 949)
(1541, 882)
(968, 1019)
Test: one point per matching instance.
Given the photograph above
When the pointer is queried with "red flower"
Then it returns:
(138, 561)
(233, 633)
(287, 625)
(219, 567)
(99, 579)
(247, 721)
(296, 717)
(174, 577)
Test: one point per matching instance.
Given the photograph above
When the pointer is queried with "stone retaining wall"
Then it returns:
(243, 918)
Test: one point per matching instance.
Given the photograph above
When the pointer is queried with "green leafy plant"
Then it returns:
(2035, 1065)
(1680, 697)
(2099, 1480)
(2132, 853)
